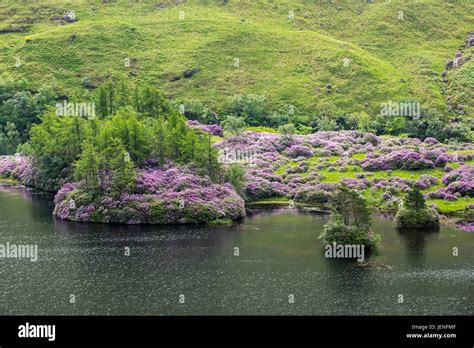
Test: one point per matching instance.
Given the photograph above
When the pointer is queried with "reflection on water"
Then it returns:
(280, 255)
(415, 241)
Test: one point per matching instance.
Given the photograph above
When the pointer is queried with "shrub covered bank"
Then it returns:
(308, 168)
(303, 168)
(161, 196)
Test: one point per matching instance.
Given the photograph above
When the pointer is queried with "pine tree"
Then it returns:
(352, 207)
(350, 221)
(123, 177)
(414, 200)
(87, 167)
(159, 145)
(102, 101)
(235, 174)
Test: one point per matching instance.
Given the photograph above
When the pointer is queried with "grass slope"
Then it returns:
(282, 58)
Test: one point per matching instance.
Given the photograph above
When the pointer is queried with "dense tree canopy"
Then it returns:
(132, 128)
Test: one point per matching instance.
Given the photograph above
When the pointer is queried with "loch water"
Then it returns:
(179, 270)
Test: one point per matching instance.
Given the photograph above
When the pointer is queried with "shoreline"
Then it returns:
(8, 182)
(451, 220)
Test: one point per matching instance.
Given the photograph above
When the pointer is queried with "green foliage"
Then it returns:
(20, 108)
(414, 200)
(107, 162)
(253, 108)
(347, 121)
(194, 109)
(145, 100)
(365, 123)
(350, 221)
(414, 213)
(386, 60)
(352, 207)
(335, 231)
(313, 197)
(235, 174)
(302, 129)
(326, 123)
(233, 125)
(87, 167)
(393, 125)
(100, 150)
(220, 222)
(261, 129)
(10, 139)
(56, 143)
(287, 132)
(432, 123)
(460, 89)
(123, 169)
(157, 211)
(130, 131)
(424, 218)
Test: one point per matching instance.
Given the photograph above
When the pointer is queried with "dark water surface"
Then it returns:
(279, 255)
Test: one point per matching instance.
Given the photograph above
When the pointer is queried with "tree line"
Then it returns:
(133, 124)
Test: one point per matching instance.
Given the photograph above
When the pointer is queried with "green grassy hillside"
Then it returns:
(364, 50)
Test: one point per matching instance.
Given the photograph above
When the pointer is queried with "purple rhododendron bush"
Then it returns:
(308, 168)
(213, 129)
(18, 167)
(174, 195)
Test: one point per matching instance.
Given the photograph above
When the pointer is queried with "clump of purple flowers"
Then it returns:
(425, 181)
(298, 151)
(459, 182)
(162, 196)
(315, 194)
(213, 129)
(7, 165)
(463, 173)
(403, 159)
(18, 167)
(431, 141)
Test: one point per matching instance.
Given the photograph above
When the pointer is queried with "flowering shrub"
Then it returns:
(441, 160)
(15, 167)
(20, 168)
(7, 165)
(314, 194)
(385, 154)
(403, 159)
(162, 196)
(441, 193)
(259, 187)
(298, 151)
(431, 141)
(213, 129)
(356, 184)
(463, 173)
(426, 181)
(459, 182)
